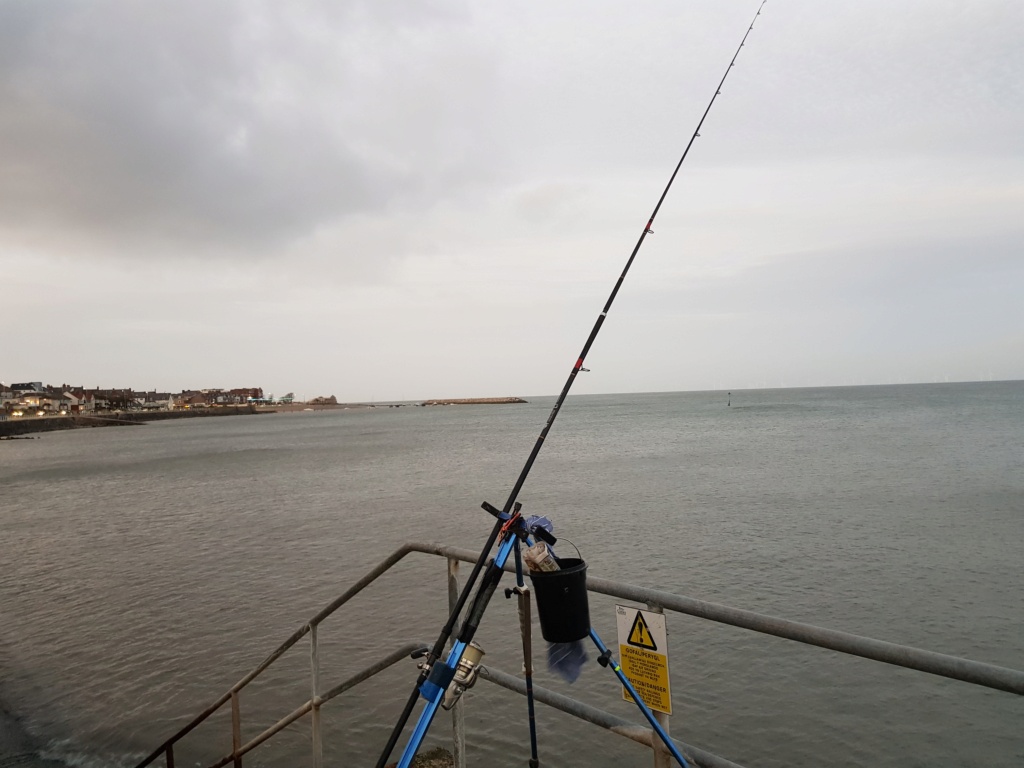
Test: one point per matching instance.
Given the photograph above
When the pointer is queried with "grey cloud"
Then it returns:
(417, 166)
(237, 127)
(926, 289)
(221, 126)
(917, 78)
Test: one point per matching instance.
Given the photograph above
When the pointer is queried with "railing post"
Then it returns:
(314, 652)
(662, 757)
(458, 717)
(236, 729)
(169, 756)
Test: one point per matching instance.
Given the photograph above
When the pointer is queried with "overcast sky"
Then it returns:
(401, 200)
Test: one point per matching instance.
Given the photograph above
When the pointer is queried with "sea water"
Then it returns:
(144, 570)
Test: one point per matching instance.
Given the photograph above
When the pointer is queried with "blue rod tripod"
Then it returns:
(441, 674)
(605, 660)
(434, 687)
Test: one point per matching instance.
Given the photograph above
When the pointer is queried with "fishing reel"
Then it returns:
(465, 675)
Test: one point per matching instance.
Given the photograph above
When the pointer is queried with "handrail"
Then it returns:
(392, 658)
(976, 672)
(638, 733)
(954, 667)
(966, 670)
(297, 635)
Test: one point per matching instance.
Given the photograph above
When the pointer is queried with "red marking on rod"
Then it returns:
(579, 363)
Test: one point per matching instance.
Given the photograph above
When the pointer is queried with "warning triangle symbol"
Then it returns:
(640, 635)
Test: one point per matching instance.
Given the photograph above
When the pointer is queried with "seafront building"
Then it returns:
(35, 398)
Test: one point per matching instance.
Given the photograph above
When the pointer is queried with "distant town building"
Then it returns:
(36, 398)
(245, 394)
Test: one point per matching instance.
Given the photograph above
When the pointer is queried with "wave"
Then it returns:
(18, 747)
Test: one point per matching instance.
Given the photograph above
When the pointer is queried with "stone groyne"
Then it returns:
(475, 401)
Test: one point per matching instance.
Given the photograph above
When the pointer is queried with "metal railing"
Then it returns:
(975, 672)
(312, 707)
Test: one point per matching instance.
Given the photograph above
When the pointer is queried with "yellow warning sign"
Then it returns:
(643, 646)
(640, 635)
(648, 672)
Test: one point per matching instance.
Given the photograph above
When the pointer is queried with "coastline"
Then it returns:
(25, 426)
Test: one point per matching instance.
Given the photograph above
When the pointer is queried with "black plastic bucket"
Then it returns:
(562, 601)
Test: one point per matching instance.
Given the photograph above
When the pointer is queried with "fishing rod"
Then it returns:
(434, 678)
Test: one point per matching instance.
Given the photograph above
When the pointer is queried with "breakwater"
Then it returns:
(475, 401)
(35, 424)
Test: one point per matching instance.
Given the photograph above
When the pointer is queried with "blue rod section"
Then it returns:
(435, 695)
(602, 649)
(427, 716)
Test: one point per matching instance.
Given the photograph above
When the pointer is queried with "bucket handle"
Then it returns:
(578, 555)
